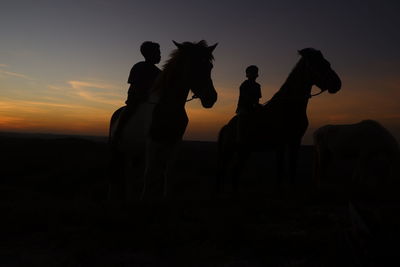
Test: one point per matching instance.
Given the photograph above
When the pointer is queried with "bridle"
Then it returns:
(320, 92)
(193, 97)
(321, 78)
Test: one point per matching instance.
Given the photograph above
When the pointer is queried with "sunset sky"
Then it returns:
(64, 64)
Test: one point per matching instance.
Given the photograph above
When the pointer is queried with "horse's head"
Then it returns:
(320, 71)
(197, 60)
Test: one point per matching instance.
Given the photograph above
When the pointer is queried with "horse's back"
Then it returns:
(367, 135)
(114, 121)
(136, 129)
(227, 134)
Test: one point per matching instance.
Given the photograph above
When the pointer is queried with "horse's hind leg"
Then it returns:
(280, 164)
(154, 177)
(240, 161)
(169, 167)
(116, 177)
(293, 158)
(133, 178)
(223, 162)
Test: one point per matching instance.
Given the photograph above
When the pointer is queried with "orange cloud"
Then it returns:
(35, 116)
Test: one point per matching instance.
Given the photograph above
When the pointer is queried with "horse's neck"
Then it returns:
(174, 93)
(295, 90)
(154, 97)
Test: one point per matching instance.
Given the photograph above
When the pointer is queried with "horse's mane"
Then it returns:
(177, 56)
(188, 48)
(293, 75)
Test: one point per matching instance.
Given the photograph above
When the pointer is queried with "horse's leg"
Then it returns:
(133, 178)
(293, 150)
(134, 171)
(240, 160)
(280, 164)
(156, 163)
(224, 158)
(116, 176)
(316, 175)
(128, 173)
(171, 160)
(225, 153)
(322, 159)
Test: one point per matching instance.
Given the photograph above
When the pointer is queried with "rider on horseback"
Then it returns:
(141, 79)
(250, 93)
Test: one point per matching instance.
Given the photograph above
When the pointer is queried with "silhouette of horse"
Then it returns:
(280, 123)
(372, 150)
(157, 126)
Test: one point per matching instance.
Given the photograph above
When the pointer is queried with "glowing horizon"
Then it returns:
(93, 103)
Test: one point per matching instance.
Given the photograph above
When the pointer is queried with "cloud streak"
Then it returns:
(97, 85)
(17, 75)
(97, 92)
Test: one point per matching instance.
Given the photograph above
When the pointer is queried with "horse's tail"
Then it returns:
(113, 123)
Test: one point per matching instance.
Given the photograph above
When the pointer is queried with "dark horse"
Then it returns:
(157, 126)
(280, 123)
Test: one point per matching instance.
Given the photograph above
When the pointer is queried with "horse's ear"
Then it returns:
(178, 45)
(211, 48)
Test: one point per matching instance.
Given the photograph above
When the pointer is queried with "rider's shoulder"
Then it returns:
(140, 65)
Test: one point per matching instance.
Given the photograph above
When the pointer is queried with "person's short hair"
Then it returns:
(147, 48)
(252, 69)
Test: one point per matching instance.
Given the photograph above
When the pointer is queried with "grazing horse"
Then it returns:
(280, 123)
(373, 155)
(372, 150)
(157, 126)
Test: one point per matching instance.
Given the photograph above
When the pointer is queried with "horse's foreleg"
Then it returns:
(240, 160)
(224, 156)
(293, 151)
(221, 174)
(133, 178)
(280, 164)
(116, 176)
(157, 156)
(223, 161)
(170, 164)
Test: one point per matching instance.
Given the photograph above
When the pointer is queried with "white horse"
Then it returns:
(153, 132)
(373, 151)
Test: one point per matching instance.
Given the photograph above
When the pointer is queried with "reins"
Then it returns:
(309, 96)
(320, 92)
(193, 97)
(187, 100)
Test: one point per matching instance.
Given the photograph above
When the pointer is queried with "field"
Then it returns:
(54, 212)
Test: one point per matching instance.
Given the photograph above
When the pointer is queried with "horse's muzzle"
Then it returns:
(209, 100)
(335, 84)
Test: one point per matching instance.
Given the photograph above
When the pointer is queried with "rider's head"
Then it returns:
(252, 72)
(151, 52)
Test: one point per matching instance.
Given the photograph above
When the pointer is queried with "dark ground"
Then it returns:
(54, 213)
